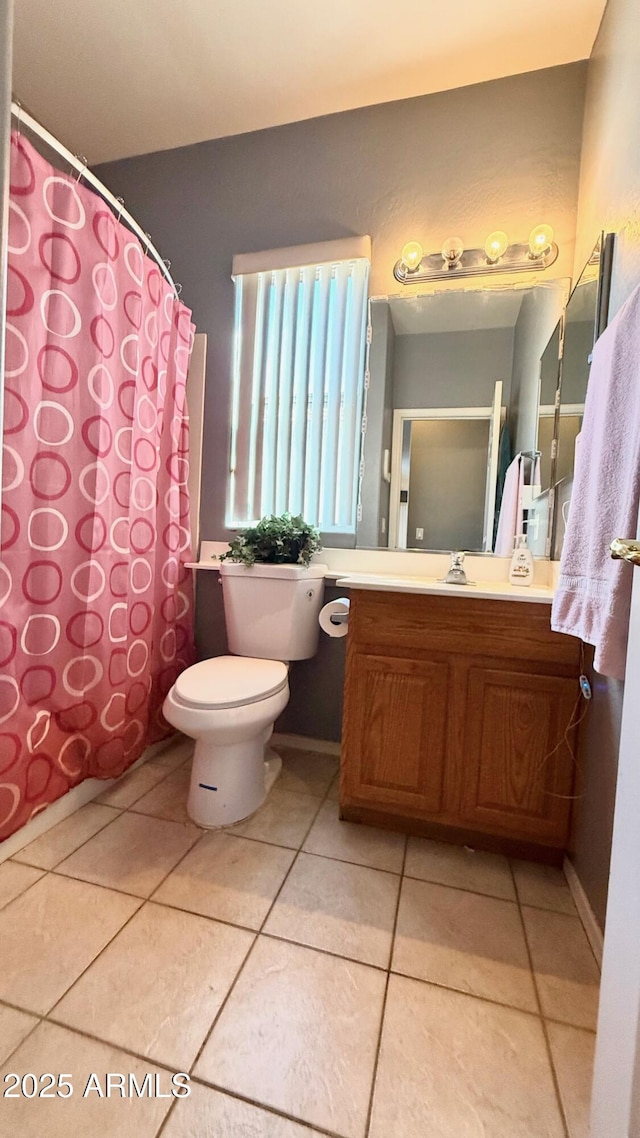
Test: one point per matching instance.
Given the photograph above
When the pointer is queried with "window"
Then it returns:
(297, 389)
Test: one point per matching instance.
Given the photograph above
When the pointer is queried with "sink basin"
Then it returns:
(389, 581)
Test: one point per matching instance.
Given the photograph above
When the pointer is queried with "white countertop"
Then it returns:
(484, 590)
(410, 572)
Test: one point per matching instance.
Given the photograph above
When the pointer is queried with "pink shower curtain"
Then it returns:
(95, 600)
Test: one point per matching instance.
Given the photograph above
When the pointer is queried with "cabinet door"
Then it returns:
(519, 769)
(394, 733)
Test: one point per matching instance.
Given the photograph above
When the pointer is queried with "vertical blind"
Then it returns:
(297, 388)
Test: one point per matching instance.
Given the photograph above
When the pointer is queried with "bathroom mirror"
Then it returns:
(452, 396)
(585, 318)
(549, 380)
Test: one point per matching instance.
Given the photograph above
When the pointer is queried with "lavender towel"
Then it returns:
(594, 592)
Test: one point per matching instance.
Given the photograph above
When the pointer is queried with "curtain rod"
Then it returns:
(27, 120)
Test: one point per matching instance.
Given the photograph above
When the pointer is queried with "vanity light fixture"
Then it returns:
(497, 256)
(411, 255)
(496, 246)
(540, 241)
(452, 251)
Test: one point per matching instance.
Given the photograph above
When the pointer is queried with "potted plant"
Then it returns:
(282, 540)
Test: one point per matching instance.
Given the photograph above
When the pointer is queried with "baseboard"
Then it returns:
(594, 933)
(70, 802)
(304, 743)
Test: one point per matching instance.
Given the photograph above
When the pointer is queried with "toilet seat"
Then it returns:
(230, 681)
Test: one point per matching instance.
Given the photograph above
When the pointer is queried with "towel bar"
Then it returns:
(623, 549)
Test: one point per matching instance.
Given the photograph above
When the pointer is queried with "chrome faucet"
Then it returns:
(456, 574)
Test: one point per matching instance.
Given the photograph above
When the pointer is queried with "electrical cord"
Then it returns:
(585, 688)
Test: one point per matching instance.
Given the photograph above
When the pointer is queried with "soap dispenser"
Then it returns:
(521, 570)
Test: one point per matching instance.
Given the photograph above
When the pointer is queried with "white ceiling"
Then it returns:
(455, 311)
(114, 78)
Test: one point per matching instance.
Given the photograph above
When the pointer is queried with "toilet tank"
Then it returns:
(271, 611)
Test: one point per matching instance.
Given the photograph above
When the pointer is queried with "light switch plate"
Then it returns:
(419, 534)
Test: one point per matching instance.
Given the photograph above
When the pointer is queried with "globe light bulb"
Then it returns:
(496, 246)
(452, 251)
(411, 255)
(540, 240)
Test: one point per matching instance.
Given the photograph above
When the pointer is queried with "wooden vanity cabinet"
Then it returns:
(453, 706)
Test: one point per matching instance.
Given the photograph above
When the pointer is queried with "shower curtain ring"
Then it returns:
(18, 117)
(178, 289)
(120, 202)
(81, 158)
(167, 262)
(148, 237)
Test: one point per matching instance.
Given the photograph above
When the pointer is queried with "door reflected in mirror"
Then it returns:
(443, 474)
(453, 397)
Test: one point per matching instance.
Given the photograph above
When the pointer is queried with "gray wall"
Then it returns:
(315, 707)
(610, 169)
(452, 369)
(609, 199)
(598, 746)
(355, 173)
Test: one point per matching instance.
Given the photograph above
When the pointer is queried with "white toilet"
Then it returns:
(229, 704)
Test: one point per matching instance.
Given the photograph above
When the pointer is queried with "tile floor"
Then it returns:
(312, 976)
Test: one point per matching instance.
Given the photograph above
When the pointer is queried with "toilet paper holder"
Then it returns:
(339, 617)
(334, 617)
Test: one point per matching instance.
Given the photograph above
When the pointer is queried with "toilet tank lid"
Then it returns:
(285, 572)
(230, 681)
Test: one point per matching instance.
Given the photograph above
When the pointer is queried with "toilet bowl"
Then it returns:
(228, 705)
